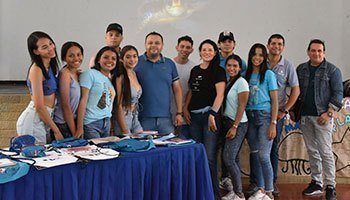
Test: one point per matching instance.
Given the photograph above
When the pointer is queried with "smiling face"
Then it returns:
(184, 49)
(108, 61)
(276, 46)
(316, 54)
(74, 57)
(207, 52)
(258, 57)
(233, 68)
(45, 48)
(154, 46)
(130, 59)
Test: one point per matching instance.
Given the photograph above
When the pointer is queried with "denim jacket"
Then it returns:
(328, 85)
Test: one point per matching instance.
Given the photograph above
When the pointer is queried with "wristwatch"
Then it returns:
(330, 114)
(180, 113)
(274, 122)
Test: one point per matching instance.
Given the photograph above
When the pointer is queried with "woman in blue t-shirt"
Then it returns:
(36, 119)
(128, 92)
(234, 122)
(203, 101)
(69, 88)
(262, 109)
(97, 95)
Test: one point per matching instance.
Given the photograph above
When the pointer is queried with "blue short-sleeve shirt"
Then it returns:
(259, 96)
(156, 79)
(101, 95)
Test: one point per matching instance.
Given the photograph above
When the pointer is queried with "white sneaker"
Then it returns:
(226, 184)
(267, 197)
(229, 196)
(239, 198)
(232, 196)
(257, 195)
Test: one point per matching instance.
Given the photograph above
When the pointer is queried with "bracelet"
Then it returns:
(212, 112)
(235, 126)
(180, 113)
(274, 122)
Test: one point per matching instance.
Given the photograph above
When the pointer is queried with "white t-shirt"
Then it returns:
(184, 71)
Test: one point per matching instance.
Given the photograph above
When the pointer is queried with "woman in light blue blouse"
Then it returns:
(234, 122)
(97, 95)
(262, 109)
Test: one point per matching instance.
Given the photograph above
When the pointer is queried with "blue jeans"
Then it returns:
(97, 129)
(274, 150)
(132, 121)
(200, 133)
(160, 124)
(260, 149)
(231, 152)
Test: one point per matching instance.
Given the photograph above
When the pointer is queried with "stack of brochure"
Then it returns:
(172, 140)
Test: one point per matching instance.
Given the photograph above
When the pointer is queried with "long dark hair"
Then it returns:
(97, 65)
(263, 66)
(32, 41)
(232, 80)
(125, 98)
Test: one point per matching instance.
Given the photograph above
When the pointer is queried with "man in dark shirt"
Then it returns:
(321, 93)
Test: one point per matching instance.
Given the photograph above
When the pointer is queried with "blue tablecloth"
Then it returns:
(162, 173)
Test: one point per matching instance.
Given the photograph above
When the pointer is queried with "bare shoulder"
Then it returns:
(64, 74)
(35, 73)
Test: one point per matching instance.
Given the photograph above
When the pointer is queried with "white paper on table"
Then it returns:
(5, 162)
(97, 153)
(54, 158)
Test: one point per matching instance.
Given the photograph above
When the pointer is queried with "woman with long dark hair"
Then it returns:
(97, 95)
(128, 93)
(234, 122)
(206, 92)
(262, 109)
(36, 119)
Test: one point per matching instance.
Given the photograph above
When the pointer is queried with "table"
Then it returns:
(162, 173)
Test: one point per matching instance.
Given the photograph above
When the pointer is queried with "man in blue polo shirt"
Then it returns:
(158, 77)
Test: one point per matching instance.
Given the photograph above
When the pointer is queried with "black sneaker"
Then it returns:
(330, 193)
(313, 189)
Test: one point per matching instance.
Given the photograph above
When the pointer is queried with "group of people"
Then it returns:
(218, 102)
